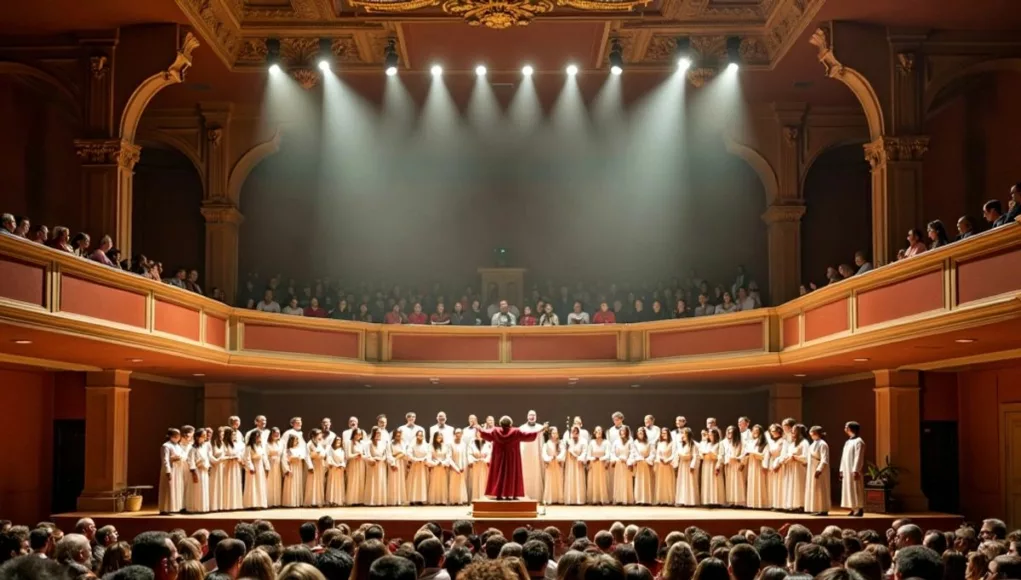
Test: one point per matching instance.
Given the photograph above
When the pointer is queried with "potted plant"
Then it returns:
(879, 484)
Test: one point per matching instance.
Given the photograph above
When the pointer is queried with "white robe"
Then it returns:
(233, 494)
(458, 485)
(315, 483)
(774, 475)
(714, 491)
(794, 476)
(688, 478)
(408, 433)
(274, 478)
(216, 477)
(852, 461)
(612, 434)
(439, 475)
(574, 473)
(302, 446)
(355, 453)
(478, 460)
(644, 458)
(171, 465)
(554, 453)
(531, 462)
(256, 466)
(664, 490)
(817, 489)
(597, 491)
(197, 488)
(447, 430)
(758, 486)
(623, 461)
(292, 493)
(735, 477)
(397, 463)
(336, 487)
(375, 474)
(418, 473)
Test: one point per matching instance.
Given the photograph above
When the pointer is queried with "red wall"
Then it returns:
(26, 461)
(154, 407)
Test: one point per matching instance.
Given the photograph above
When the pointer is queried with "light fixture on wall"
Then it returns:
(325, 54)
(273, 54)
(733, 53)
(616, 58)
(683, 52)
(391, 58)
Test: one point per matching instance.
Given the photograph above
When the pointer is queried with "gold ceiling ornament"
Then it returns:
(393, 5)
(305, 77)
(604, 5)
(698, 76)
(497, 14)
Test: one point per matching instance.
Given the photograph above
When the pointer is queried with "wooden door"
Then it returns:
(1010, 431)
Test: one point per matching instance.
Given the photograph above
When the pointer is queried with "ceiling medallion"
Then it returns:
(497, 14)
(698, 76)
(305, 77)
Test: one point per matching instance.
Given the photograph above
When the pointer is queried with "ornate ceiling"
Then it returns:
(359, 30)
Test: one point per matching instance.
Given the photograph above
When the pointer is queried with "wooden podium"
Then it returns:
(509, 282)
(488, 507)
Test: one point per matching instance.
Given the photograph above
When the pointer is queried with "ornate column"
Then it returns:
(896, 192)
(223, 223)
(784, 401)
(99, 53)
(216, 120)
(107, 176)
(221, 401)
(783, 238)
(899, 431)
(106, 440)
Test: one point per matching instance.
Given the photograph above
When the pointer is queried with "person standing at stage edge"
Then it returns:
(505, 479)
(531, 458)
(852, 476)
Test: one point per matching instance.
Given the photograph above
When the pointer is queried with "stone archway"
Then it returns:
(143, 93)
(248, 161)
(855, 81)
(944, 81)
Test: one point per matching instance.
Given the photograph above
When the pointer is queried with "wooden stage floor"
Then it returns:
(404, 521)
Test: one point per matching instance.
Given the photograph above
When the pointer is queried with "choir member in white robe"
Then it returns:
(531, 458)
(441, 426)
(302, 450)
(471, 430)
(745, 427)
(275, 476)
(352, 428)
(409, 431)
(622, 463)
(419, 453)
(574, 469)
(734, 477)
(197, 495)
(355, 450)
(375, 469)
(613, 433)
(796, 462)
(686, 458)
(756, 465)
(171, 463)
(233, 495)
(260, 425)
(218, 462)
(336, 461)
(185, 445)
(817, 480)
(292, 494)
(643, 459)
(397, 463)
(554, 454)
(599, 455)
(714, 491)
(381, 422)
(785, 466)
(326, 426)
(583, 433)
(680, 424)
(664, 454)
(237, 435)
(776, 444)
(315, 482)
(439, 471)
(458, 485)
(650, 427)
(257, 466)
(480, 453)
(852, 476)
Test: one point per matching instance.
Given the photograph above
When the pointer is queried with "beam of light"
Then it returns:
(684, 64)
(616, 70)
(483, 109)
(286, 103)
(480, 70)
(524, 112)
(350, 144)
(572, 69)
(527, 70)
(732, 67)
(655, 145)
(436, 70)
(274, 69)
(608, 108)
(324, 65)
(391, 71)
(398, 114)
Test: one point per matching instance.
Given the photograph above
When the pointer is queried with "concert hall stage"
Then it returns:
(404, 521)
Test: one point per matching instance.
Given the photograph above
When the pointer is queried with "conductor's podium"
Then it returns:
(505, 509)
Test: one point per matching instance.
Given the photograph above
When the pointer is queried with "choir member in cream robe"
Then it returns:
(302, 450)
(439, 471)
(171, 463)
(233, 495)
(197, 495)
(583, 433)
(796, 462)
(315, 482)
(185, 445)
(599, 454)
(785, 465)
(644, 458)
(441, 426)
(397, 462)
(326, 426)
(650, 428)
(352, 428)
(375, 469)
(574, 469)
(817, 480)
(275, 476)
(554, 453)
(355, 450)
(622, 461)
(336, 461)
(531, 458)
(734, 478)
(774, 477)
(714, 491)
(680, 424)
(257, 465)
(745, 427)
(852, 476)
(664, 453)
(458, 486)
(218, 463)
(260, 425)
(480, 453)
(757, 467)
(419, 453)
(409, 431)
(237, 435)
(686, 458)
(293, 465)
(613, 433)
(471, 430)
(381, 422)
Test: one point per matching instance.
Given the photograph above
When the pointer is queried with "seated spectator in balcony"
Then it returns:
(504, 317)
(563, 303)
(681, 309)
(744, 301)
(61, 240)
(657, 312)
(180, 276)
(477, 314)
(313, 309)
(915, 244)
(8, 224)
(862, 262)
(577, 315)
(803, 290)
(937, 234)
(965, 228)
(191, 283)
(528, 318)
(639, 313)
(440, 317)
(459, 317)
(293, 308)
(604, 315)
(618, 311)
(992, 210)
(727, 306)
(115, 258)
(704, 308)
(100, 253)
(40, 234)
(395, 316)
(267, 304)
(343, 311)
(80, 244)
(417, 316)
(219, 295)
(549, 316)
(901, 254)
(832, 275)
(845, 271)
(1015, 204)
(753, 292)
(363, 313)
(24, 225)
(739, 281)
(306, 297)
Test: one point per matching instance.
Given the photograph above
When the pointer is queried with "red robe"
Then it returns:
(505, 475)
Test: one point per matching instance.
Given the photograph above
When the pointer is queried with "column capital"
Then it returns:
(100, 152)
(222, 213)
(108, 378)
(783, 213)
(896, 379)
(886, 149)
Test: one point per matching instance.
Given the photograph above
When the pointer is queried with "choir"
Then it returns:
(785, 467)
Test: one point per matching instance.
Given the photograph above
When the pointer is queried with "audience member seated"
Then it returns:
(293, 309)
(8, 224)
(727, 306)
(504, 317)
(417, 316)
(440, 317)
(993, 212)
(314, 310)
(604, 315)
(744, 300)
(577, 315)
(528, 317)
(179, 279)
(548, 316)
(395, 316)
(1015, 201)
(937, 234)
(80, 245)
(267, 304)
(100, 254)
(965, 228)
(864, 265)
(40, 234)
(61, 240)
(915, 244)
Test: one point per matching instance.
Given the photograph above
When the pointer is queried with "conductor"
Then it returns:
(505, 476)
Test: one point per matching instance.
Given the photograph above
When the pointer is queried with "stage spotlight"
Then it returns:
(436, 70)
(273, 54)
(616, 58)
(324, 65)
(325, 53)
(527, 70)
(683, 52)
(274, 69)
(733, 53)
(390, 58)
(572, 70)
(480, 70)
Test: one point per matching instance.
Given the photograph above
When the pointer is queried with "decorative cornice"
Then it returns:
(222, 213)
(215, 136)
(886, 149)
(107, 152)
(790, 136)
(775, 214)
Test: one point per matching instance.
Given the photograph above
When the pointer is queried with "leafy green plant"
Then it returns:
(886, 477)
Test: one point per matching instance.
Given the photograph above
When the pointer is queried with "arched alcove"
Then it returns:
(838, 211)
(167, 224)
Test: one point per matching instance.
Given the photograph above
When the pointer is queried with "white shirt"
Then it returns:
(408, 432)
(328, 439)
(747, 304)
(651, 432)
(446, 429)
(346, 435)
(578, 318)
(297, 311)
(302, 449)
(270, 306)
(746, 438)
(384, 435)
(264, 438)
(852, 459)
(501, 319)
(612, 434)
(469, 434)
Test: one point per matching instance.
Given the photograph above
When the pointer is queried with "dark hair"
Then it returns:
(811, 559)
(773, 573)
(838, 574)
(579, 529)
(38, 538)
(133, 572)
(954, 565)
(493, 546)
(603, 539)
(601, 567)
(34, 568)
(744, 562)
(519, 535)
(324, 523)
(771, 550)
(246, 533)
(646, 544)
(393, 568)
(833, 546)
(711, 569)
(462, 528)
(993, 205)
(298, 553)
(918, 562)
(228, 553)
(149, 549)
(625, 554)
(334, 564)
(432, 552)
(455, 560)
(374, 532)
(307, 532)
(941, 233)
(866, 564)
(936, 541)
(636, 571)
(536, 555)
(680, 563)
